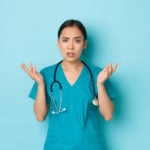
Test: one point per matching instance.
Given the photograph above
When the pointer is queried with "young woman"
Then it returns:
(73, 93)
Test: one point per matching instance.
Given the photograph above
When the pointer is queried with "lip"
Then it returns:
(70, 54)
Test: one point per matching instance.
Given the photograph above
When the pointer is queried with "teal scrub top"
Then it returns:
(78, 128)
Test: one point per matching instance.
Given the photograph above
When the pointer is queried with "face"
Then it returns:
(71, 43)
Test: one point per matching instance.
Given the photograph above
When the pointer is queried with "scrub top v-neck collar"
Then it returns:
(76, 81)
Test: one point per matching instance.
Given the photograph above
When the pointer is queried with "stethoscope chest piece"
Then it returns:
(59, 111)
(95, 102)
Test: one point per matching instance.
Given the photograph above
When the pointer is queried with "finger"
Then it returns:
(107, 66)
(24, 67)
(106, 71)
(34, 70)
(115, 67)
(110, 69)
(30, 66)
(31, 70)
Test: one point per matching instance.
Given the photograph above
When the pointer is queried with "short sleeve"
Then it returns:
(34, 88)
(33, 91)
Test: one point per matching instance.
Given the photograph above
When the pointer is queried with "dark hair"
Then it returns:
(73, 23)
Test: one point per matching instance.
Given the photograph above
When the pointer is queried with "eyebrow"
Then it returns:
(78, 37)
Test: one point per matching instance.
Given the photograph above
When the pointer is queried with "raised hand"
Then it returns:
(106, 73)
(31, 71)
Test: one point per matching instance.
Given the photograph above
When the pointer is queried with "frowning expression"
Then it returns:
(71, 43)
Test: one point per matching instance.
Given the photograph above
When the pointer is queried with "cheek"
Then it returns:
(79, 51)
(62, 51)
(80, 47)
(62, 47)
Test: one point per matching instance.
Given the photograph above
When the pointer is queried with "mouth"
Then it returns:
(70, 54)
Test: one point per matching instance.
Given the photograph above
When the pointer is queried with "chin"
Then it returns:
(72, 59)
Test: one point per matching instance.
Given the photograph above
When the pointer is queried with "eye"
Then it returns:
(64, 40)
(78, 41)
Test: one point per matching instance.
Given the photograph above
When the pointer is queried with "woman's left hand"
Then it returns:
(106, 73)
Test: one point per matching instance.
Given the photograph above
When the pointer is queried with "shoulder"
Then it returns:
(48, 69)
(95, 69)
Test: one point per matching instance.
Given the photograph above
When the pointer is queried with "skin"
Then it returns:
(71, 44)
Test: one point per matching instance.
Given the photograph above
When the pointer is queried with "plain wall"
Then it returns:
(118, 31)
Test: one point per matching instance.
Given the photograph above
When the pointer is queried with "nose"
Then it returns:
(70, 45)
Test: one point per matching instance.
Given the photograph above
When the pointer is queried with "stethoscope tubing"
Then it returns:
(59, 110)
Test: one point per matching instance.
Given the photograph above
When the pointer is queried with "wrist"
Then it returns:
(41, 85)
(100, 84)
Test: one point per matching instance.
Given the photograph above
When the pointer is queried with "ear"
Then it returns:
(85, 44)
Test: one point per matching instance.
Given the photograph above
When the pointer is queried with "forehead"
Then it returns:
(71, 32)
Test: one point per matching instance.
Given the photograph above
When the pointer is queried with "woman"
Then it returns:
(73, 118)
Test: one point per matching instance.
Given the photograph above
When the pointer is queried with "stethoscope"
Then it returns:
(60, 109)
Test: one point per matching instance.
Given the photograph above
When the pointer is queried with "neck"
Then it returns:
(71, 65)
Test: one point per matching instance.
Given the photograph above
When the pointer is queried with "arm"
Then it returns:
(41, 108)
(106, 106)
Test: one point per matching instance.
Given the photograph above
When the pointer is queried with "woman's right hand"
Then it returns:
(31, 71)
